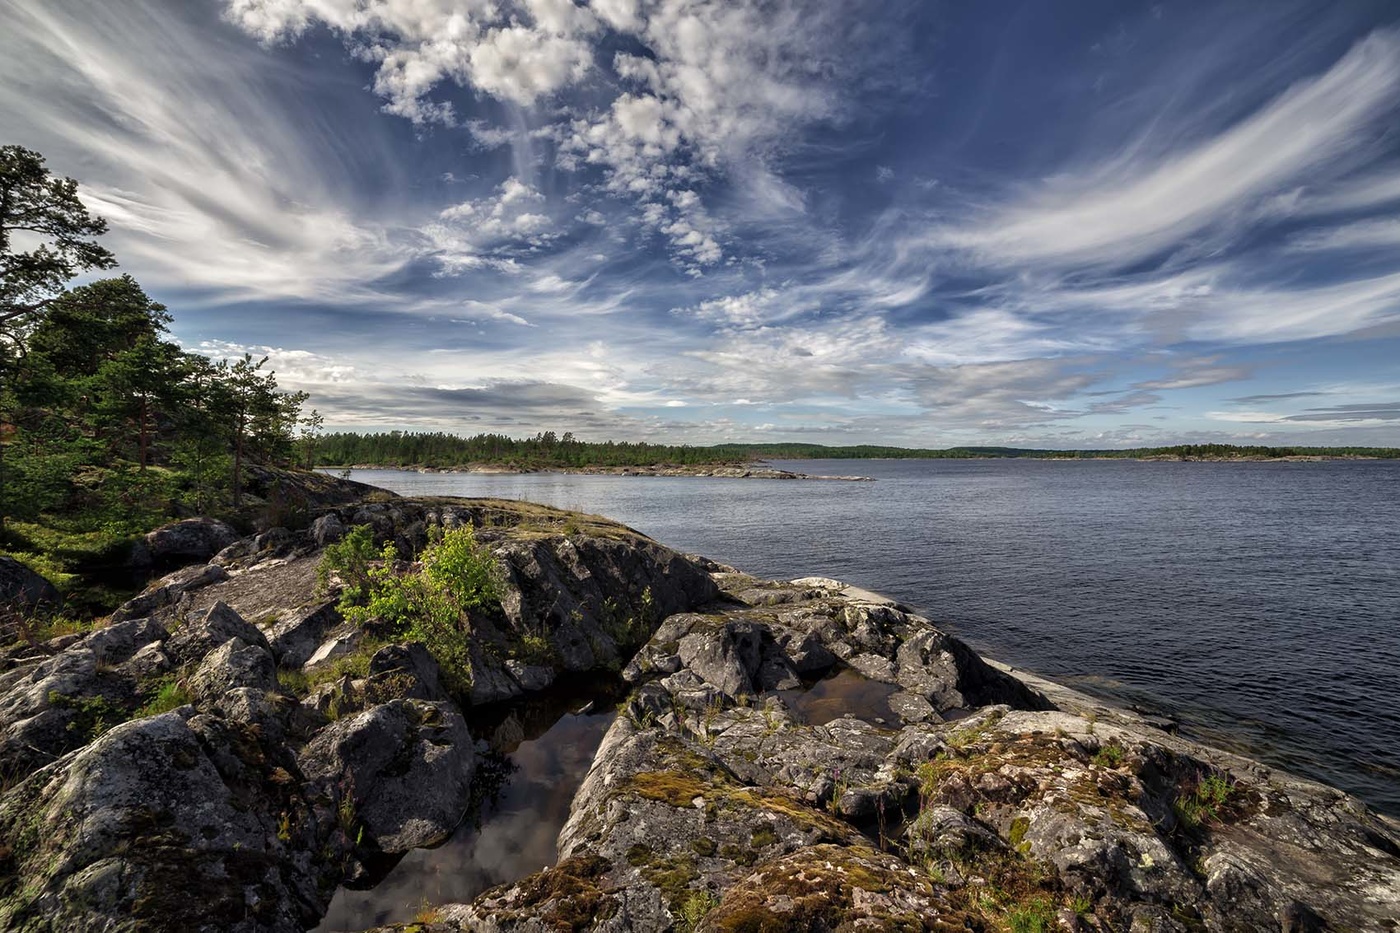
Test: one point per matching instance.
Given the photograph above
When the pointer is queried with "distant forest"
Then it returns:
(548, 450)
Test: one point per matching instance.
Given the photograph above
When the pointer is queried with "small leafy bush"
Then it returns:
(433, 605)
(1110, 755)
(349, 559)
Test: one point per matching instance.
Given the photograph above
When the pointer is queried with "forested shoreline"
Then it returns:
(107, 426)
(548, 450)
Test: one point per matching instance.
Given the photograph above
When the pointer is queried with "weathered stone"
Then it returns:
(339, 642)
(149, 662)
(407, 672)
(168, 592)
(188, 541)
(725, 656)
(205, 631)
(103, 832)
(118, 642)
(531, 677)
(233, 664)
(406, 767)
(295, 639)
(327, 529)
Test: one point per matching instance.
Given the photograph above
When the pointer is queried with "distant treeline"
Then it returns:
(549, 450)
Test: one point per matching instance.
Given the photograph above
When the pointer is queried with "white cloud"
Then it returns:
(1363, 234)
(208, 177)
(723, 85)
(519, 53)
(490, 232)
(1131, 208)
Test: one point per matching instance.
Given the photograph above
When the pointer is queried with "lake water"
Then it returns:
(1259, 603)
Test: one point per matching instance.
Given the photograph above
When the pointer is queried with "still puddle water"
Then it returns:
(552, 750)
(845, 691)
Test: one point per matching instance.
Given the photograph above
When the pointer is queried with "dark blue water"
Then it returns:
(1258, 602)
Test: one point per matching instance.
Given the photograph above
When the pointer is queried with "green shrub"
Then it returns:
(349, 559)
(1110, 755)
(92, 716)
(432, 605)
(1037, 916)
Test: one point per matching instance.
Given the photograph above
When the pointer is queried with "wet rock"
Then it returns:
(405, 768)
(22, 590)
(531, 677)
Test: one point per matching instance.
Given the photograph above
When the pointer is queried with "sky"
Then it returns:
(1040, 224)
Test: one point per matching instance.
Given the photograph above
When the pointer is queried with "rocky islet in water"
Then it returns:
(975, 799)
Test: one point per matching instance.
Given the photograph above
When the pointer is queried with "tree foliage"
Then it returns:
(37, 207)
(548, 450)
(105, 421)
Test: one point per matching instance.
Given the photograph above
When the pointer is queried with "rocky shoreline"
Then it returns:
(718, 471)
(228, 750)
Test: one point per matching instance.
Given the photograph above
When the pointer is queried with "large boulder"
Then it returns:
(169, 596)
(234, 664)
(205, 631)
(403, 770)
(188, 541)
(22, 590)
(164, 823)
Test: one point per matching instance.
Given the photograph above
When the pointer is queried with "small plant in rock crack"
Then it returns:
(697, 904)
(838, 790)
(1205, 801)
(1110, 755)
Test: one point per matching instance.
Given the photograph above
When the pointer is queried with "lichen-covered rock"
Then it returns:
(296, 638)
(712, 805)
(234, 664)
(50, 705)
(205, 631)
(188, 541)
(168, 597)
(144, 830)
(327, 529)
(406, 672)
(403, 769)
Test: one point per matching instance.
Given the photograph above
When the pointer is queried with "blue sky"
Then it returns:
(1096, 224)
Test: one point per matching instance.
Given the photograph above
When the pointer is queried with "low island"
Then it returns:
(291, 711)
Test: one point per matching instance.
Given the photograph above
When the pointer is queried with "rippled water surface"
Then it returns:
(1259, 602)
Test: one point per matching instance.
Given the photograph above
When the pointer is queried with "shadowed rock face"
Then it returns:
(966, 798)
(244, 808)
(22, 590)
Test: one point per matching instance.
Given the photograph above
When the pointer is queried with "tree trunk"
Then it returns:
(238, 464)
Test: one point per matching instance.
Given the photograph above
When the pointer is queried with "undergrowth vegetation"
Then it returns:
(431, 601)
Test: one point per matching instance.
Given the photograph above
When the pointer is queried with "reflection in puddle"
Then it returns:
(518, 831)
(846, 691)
